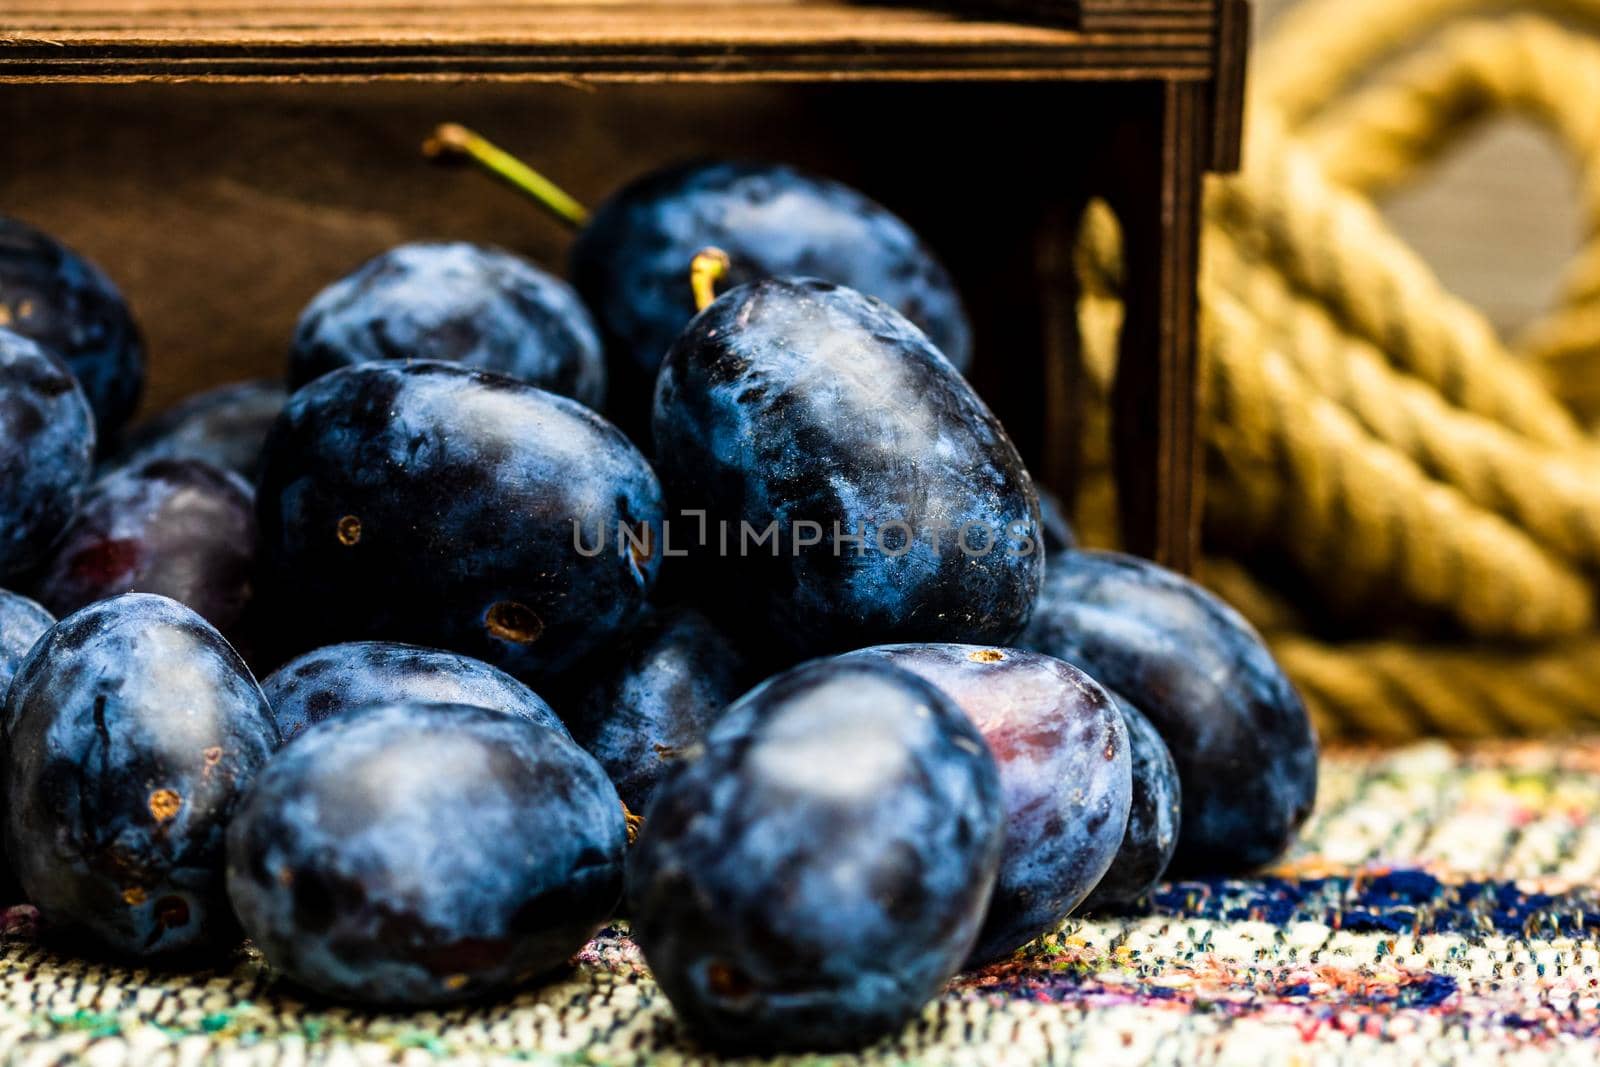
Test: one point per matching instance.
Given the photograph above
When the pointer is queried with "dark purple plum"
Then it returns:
(22, 622)
(56, 297)
(178, 527)
(803, 410)
(338, 679)
(47, 442)
(132, 729)
(456, 302)
(1237, 730)
(448, 507)
(630, 261)
(1153, 819)
(820, 870)
(1064, 774)
(47, 450)
(418, 854)
(225, 427)
(655, 698)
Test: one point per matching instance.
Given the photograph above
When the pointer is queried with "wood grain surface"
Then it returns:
(593, 39)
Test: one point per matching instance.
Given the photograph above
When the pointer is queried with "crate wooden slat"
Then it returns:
(1097, 15)
(74, 40)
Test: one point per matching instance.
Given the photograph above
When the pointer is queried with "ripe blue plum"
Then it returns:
(416, 854)
(790, 402)
(456, 302)
(178, 527)
(335, 680)
(22, 622)
(1244, 746)
(1153, 819)
(655, 698)
(131, 729)
(47, 441)
(431, 503)
(820, 871)
(225, 427)
(773, 220)
(1064, 774)
(50, 293)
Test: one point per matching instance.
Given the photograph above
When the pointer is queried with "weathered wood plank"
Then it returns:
(87, 40)
(1155, 187)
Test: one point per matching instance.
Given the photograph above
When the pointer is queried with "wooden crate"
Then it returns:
(224, 159)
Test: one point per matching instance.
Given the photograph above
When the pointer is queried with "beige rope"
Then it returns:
(1551, 494)
(1380, 137)
(1333, 245)
(1366, 431)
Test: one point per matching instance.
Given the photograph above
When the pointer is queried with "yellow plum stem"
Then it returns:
(709, 266)
(454, 141)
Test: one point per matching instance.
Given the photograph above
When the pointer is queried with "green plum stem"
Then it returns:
(454, 141)
(709, 266)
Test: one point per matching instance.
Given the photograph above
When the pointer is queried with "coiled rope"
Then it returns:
(1373, 446)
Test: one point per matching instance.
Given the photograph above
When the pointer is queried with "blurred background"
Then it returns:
(1498, 219)
(1400, 363)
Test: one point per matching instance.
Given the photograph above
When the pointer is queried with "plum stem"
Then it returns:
(452, 140)
(709, 266)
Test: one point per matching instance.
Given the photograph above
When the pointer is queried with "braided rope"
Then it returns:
(1363, 425)
(1392, 690)
(1332, 244)
(1359, 518)
(1379, 137)
(1552, 495)
(1319, 48)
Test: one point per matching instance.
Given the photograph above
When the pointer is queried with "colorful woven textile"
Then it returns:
(1439, 909)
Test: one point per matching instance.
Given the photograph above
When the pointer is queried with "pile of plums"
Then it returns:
(509, 629)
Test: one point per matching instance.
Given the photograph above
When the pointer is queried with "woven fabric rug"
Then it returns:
(1439, 909)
